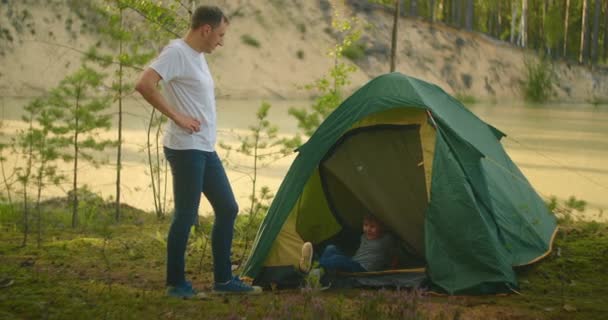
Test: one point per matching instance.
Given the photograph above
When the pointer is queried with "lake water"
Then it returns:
(562, 149)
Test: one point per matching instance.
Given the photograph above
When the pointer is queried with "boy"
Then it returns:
(373, 254)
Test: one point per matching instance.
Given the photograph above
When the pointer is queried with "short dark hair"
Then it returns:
(371, 217)
(210, 15)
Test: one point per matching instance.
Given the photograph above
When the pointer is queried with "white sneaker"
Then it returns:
(306, 257)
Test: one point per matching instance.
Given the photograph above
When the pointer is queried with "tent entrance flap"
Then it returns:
(379, 170)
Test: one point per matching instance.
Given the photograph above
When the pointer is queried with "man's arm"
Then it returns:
(147, 87)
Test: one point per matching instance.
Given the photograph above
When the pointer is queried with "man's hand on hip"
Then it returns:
(189, 124)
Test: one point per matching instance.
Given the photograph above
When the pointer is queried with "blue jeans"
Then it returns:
(333, 259)
(195, 172)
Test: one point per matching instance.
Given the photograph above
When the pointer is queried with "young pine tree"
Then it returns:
(127, 55)
(23, 145)
(46, 145)
(329, 88)
(262, 146)
(80, 108)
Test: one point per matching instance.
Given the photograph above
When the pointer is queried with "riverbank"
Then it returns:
(292, 49)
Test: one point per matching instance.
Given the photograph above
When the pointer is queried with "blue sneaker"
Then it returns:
(185, 291)
(235, 286)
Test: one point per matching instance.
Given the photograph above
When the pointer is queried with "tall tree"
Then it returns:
(454, 12)
(394, 35)
(606, 32)
(432, 10)
(595, 41)
(513, 21)
(414, 8)
(523, 30)
(566, 18)
(458, 13)
(583, 54)
(543, 21)
(469, 15)
(554, 28)
(498, 31)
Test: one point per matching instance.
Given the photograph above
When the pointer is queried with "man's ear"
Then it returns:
(206, 29)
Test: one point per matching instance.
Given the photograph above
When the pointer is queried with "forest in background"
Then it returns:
(570, 29)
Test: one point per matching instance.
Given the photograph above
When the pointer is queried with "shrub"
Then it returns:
(565, 211)
(251, 41)
(302, 28)
(576, 204)
(300, 54)
(538, 86)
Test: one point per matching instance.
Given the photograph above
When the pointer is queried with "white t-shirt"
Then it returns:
(188, 86)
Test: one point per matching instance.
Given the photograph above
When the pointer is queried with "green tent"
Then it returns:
(410, 154)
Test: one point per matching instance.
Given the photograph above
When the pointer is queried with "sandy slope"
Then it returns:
(460, 62)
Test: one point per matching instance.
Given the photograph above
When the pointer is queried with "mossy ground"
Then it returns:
(105, 270)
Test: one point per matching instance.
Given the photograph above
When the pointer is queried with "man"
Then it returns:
(188, 100)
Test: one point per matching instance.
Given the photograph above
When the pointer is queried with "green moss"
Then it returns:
(573, 277)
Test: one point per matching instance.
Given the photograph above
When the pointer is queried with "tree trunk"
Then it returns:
(469, 15)
(606, 32)
(158, 162)
(595, 41)
(454, 12)
(588, 31)
(26, 218)
(523, 31)
(544, 13)
(443, 9)
(38, 198)
(75, 175)
(567, 16)
(513, 21)
(155, 190)
(119, 147)
(459, 13)
(414, 8)
(394, 36)
(498, 30)
(432, 10)
(582, 54)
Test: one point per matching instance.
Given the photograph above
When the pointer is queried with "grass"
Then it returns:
(117, 272)
(571, 282)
